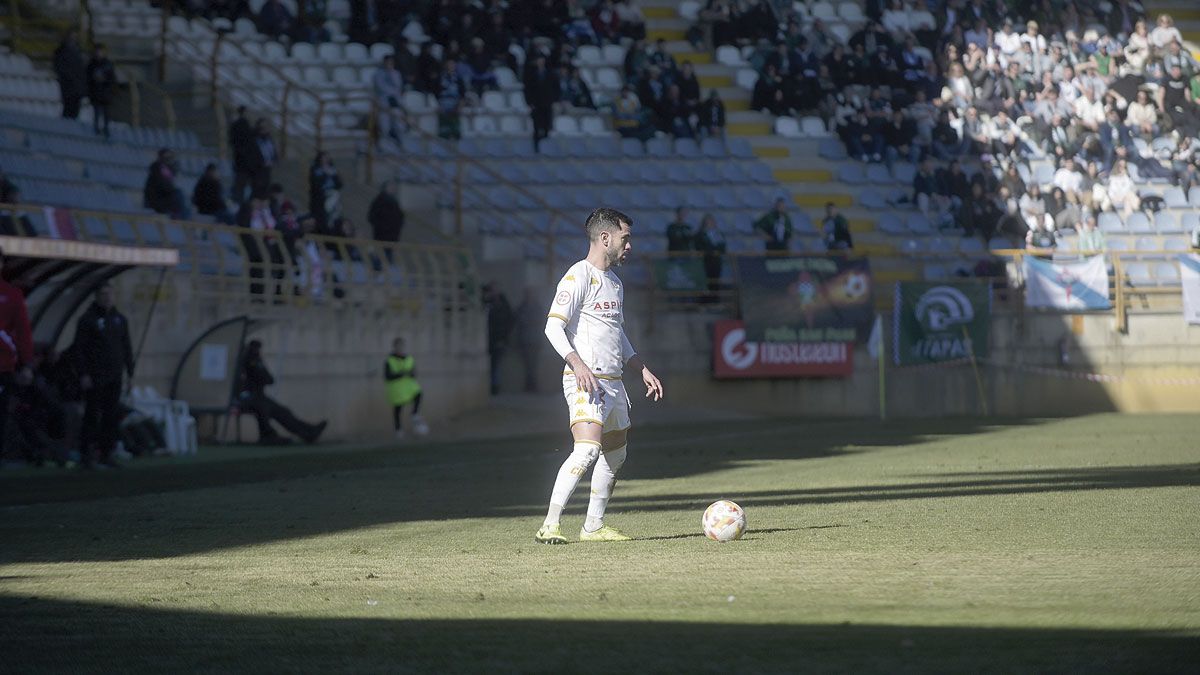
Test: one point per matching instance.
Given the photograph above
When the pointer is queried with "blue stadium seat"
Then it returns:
(1110, 222)
(970, 246)
(878, 174)
(713, 148)
(852, 174)
(632, 147)
(832, 149)
(1138, 222)
(904, 172)
(659, 148)
(687, 148)
(740, 148)
(1164, 221)
(918, 223)
(1138, 274)
(1174, 198)
(1167, 273)
(890, 224)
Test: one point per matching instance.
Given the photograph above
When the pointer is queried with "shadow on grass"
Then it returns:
(57, 636)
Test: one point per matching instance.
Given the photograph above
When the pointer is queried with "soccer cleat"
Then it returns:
(605, 533)
(419, 426)
(550, 534)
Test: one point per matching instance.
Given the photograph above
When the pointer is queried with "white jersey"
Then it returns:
(591, 304)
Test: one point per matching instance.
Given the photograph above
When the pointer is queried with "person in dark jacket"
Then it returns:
(241, 142)
(836, 230)
(105, 355)
(385, 216)
(16, 345)
(101, 79)
(324, 190)
(253, 379)
(208, 196)
(499, 325)
(160, 194)
(541, 91)
(261, 157)
(71, 70)
(712, 116)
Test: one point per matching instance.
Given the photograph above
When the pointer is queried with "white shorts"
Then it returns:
(608, 406)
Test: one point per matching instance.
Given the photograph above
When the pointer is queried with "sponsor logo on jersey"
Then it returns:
(606, 304)
(595, 282)
(562, 298)
(569, 277)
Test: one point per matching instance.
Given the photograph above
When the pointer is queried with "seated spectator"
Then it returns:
(675, 114)
(1164, 33)
(1033, 209)
(629, 119)
(1042, 237)
(1120, 192)
(711, 116)
(946, 143)
(479, 62)
(680, 235)
(861, 140)
(719, 17)
(769, 93)
(775, 227)
(836, 230)
(631, 22)
(662, 59)
(573, 91)
(926, 194)
(253, 379)
(1142, 115)
(385, 215)
(689, 84)
(1064, 209)
(160, 194)
(311, 26)
(899, 137)
(208, 196)
(978, 214)
(274, 20)
(1091, 239)
(452, 92)
(1068, 178)
(388, 84)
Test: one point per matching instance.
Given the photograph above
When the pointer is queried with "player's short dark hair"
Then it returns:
(605, 219)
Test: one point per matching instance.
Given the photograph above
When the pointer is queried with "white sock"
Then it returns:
(603, 480)
(569, 473)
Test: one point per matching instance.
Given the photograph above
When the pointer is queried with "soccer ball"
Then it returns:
(724, 521)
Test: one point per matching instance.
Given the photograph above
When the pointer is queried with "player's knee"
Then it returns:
(615, 458)
(582, 457)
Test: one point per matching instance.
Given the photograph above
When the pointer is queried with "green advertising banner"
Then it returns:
(936, 322)
(806, 299)
(680, 274)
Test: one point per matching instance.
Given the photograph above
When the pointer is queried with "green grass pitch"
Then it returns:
(911, 546)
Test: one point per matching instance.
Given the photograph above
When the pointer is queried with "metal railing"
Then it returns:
(250, 268)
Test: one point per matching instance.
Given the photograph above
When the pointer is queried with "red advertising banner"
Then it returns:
(734, 357)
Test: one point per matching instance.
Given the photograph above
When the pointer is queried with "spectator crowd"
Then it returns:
(1015, 119)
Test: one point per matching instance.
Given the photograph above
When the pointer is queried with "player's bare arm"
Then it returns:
(654, 388)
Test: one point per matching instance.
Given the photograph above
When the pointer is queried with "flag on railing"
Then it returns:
(1189, 273)
(1081, 285)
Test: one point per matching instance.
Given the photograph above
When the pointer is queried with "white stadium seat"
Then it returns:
(566, 126)
(787, 127)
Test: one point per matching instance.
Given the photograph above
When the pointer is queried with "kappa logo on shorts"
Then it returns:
(581, 400)
(580, 413)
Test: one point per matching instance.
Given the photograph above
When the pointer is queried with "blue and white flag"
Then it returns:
(1081, 285)
(1189, 274)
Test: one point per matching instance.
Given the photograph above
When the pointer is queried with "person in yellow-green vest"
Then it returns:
(400, 373)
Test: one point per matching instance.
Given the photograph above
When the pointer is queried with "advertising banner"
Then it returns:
(806, 299)
(736, 357)
(1081, 285)
(680, 274)
(936, 322)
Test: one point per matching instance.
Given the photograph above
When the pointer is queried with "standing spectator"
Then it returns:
(606, 22)
(680, 235)
(385, 215)
(451, 94)
(636, 61)
(253, 379)
(711, 242)
(256, 215)
(311, 27)
(711, 116)
(160, 194)
(105, 355)
(1091, 239)
(241, 145)
(429, 71)
(71, 71)
(541, 91)
(400, 374)
(261, 158)
(274, 20)
(775, 227)
(499, 325)
(324, 190)
(574, 90)
(836, 229)
(208, 196)
(16, 346)
(529, 332)
(101, 78)
(389, 90)
(365, 25)
(900, 136)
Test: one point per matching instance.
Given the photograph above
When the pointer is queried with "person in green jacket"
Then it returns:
(775, 226)
(400, 373)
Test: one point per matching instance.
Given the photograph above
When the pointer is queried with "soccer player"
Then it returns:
(585, 327)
